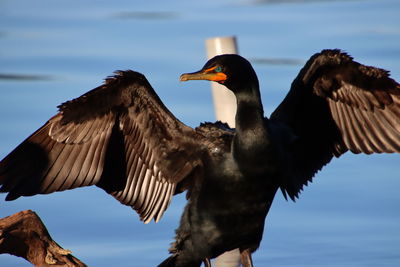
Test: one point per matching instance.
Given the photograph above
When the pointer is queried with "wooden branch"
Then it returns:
(23, 234)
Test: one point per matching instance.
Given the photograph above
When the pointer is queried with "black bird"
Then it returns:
(121, 137)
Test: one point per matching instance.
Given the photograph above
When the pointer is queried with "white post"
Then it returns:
(225, 110)
(224, 100)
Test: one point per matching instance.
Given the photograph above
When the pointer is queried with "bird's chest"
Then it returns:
(231, 191)
(255, 154)
(231, 207)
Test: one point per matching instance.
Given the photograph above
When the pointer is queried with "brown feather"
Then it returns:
(364, 110)
(122, 119)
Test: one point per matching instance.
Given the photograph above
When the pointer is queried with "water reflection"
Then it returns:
(147, 15)
(24, 77)
(277, 61)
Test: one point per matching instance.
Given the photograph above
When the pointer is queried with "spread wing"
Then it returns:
(336, 104)
(119, 136)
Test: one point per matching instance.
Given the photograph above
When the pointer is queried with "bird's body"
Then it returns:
(227, 210)
(122, 138)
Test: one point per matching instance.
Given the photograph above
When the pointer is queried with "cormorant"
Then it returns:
(120, 137)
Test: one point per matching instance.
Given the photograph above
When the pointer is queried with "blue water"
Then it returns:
(52, 51)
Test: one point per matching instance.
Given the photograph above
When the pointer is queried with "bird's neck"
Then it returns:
(250, 113)
(251, 141)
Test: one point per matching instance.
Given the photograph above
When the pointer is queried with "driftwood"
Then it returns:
(23, 234)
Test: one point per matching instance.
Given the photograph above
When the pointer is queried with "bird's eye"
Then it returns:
(218, 69)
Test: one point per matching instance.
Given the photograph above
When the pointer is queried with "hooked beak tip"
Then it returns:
(183, 78)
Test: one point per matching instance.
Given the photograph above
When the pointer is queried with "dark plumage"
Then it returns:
(121, 137)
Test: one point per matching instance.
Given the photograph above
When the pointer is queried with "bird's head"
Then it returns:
(233, 71)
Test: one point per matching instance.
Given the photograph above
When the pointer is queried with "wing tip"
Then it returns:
(11, 196)
(146, 219)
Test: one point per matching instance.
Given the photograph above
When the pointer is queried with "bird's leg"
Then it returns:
(207, 262)
(245, 256)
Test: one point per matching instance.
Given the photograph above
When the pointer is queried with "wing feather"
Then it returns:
(157, 209)
(118, 136)
(336, 104)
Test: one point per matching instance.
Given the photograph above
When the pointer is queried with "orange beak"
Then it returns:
(207, 74)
